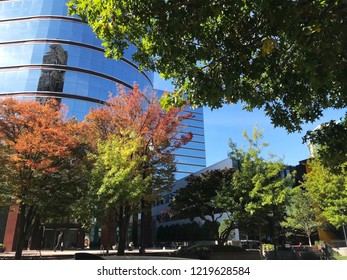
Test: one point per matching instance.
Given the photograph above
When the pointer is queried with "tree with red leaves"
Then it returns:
(137, 116)
(39, 152)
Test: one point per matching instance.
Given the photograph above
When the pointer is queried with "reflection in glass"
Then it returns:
(53, 80)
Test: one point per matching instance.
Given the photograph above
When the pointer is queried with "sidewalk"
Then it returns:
(70, 254)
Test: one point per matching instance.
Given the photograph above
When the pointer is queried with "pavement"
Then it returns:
(152, 254)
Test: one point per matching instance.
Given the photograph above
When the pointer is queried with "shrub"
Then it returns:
(2, 247)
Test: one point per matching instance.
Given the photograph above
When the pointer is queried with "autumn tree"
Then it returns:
(197, 198)
(287, 57)
(39, 155)
(117, 182)
(141, 116)
(259, 190)
(302, 216)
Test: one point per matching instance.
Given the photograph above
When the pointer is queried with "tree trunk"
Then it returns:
(223, 237)
(24, 228)
(20, 232)
(123, 229)
(309, 240)
(261, 243)
(108, 240)
(215, 228)
(135, 230)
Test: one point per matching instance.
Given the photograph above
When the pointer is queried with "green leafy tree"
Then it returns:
(302, 216)
(258, 193)
(117, 182)
(196, 199)
(329, 192)
(329, 143)
(287, 57)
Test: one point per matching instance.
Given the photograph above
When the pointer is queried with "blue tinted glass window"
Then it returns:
(194, 145)
(194, 130)
(25, 8)
(70, 87)
(80, 106)
(192, 160)
(188, 168)
(189, 152)
(193, 122)
(69, 103)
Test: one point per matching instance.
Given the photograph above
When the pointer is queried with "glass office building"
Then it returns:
(191, 158)
(44, 53)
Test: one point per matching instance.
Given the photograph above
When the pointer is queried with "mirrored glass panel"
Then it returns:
(53, 80)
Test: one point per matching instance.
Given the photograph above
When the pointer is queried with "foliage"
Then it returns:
(329, 192)
(302, 215)
(196, 199)
(141, 115)
(180, 232)
(329, 141)
(132, 139)
(259, 191)
(337, 256)
(287, 57)
(115, 179)
(41, 160)
(268, 247)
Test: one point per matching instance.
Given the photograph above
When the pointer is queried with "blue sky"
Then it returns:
(230, 121)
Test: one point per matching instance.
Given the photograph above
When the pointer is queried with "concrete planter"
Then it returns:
(250, 255)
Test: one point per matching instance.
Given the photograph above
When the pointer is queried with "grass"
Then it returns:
(338, 257)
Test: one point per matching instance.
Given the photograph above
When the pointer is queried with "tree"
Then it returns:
(196, 199)
(302, 216)
(287, 57)
(259, 190)
(117, 180)
(39, 153)
(329, 192)
(329, 142)
(135, 115)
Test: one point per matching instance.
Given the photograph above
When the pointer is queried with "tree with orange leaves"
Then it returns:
(40, 154)
(137, 116)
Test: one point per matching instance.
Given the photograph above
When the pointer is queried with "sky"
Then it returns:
(230, 121)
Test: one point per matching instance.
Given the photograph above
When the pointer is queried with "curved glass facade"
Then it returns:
(45, 53)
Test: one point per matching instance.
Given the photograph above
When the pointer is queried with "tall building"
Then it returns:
(44, 53)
